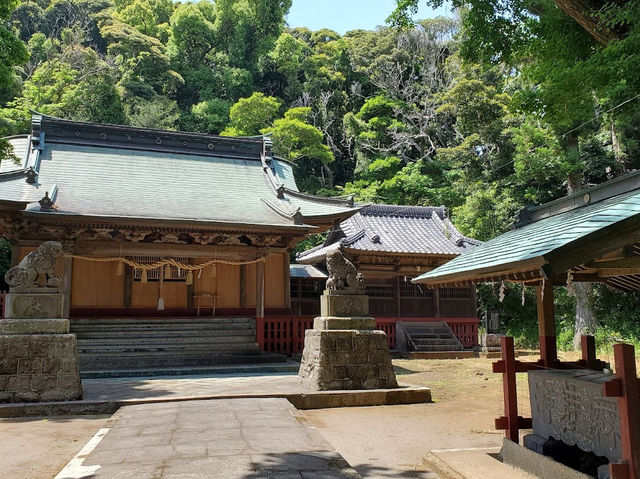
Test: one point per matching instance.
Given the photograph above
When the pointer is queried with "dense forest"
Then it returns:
(510, 103)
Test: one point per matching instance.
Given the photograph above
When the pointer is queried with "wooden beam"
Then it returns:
(117, 248)
(632, 263)
(260, 289)
(546, 323)
(191, 288)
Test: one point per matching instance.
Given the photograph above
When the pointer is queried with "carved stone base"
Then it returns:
(342, 305)
(33, 305)
(38, 361)
(346, 359)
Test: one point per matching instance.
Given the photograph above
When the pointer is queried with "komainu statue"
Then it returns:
(24, 276)
(343, 276)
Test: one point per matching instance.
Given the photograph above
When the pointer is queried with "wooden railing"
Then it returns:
(285, 334)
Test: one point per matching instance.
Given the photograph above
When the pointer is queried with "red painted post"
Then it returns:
(510, 420)
(260, 333)
(626, 387)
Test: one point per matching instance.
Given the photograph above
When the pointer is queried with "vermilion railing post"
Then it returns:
(626, 387)
(260, 333)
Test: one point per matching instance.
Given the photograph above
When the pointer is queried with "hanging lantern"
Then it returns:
(119, 269)
(167, 271)
(190, 278)
(143, 277)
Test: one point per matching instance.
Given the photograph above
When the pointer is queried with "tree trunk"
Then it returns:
(586, 322)
(584, 12)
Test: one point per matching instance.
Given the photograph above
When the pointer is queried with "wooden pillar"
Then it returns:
(191, 288)
(243, 286)
(260, 289)
(546, 323)
(128, 283)
(397, 288)
(299, 296)
(287, 281)
(626, 387)
(509, 389)
(66, 285)
(436, 300)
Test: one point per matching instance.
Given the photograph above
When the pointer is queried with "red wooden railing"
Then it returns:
(285, 334)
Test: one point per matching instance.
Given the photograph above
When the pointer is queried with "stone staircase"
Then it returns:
(430, 336)
(146, 347)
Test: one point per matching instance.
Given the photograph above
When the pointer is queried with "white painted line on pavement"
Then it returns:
(74, 469)
(463, 449)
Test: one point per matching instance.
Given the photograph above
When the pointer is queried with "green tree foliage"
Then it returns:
(516, 102)
(250, 115)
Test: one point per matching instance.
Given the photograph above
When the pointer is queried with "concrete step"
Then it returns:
(438, 347)
(268, 364)
(108, 339)
(155, 348)
(143, 344)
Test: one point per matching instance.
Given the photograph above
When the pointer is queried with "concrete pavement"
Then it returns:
(226, 438)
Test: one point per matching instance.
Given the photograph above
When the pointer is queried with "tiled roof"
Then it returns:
(306, 271)
(124, 172)
(395, 229)
(570, 223)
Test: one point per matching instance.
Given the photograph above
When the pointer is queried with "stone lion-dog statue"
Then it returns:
(343, 276)
(24, 276)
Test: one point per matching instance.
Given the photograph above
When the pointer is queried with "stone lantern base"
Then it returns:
(346, 353)
(38, 361)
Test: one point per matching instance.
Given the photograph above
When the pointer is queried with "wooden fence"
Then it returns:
(285, 334)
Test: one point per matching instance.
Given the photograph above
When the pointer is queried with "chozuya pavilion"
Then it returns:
(581, 414)
(159, 223)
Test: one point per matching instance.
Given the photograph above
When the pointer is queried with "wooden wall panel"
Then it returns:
(228, 286)
(145, 295)
(208, 281)
(95, 285)
(274, 282)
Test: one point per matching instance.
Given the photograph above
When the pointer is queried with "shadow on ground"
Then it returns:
(323, 464)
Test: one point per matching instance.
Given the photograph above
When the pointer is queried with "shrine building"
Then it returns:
(391, 245)
(159, 223)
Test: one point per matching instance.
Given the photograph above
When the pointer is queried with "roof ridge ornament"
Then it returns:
(31, 174)
(280, 192)
(46, 203)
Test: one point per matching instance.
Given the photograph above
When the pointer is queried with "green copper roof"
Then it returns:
(531, 247)
(112, 171)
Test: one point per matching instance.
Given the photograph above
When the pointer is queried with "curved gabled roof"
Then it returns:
(95, 170)
(422, 230)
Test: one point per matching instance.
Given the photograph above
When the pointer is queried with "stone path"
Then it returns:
(226, 438)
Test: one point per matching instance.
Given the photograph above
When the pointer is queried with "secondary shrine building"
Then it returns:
(391, 245)
(164, 224)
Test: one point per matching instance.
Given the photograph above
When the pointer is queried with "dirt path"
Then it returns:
(37, 448)
(390, 441)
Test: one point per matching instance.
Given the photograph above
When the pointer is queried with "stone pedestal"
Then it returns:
(346, 352)
(42, 303)
(491, 342)
(38, 361)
